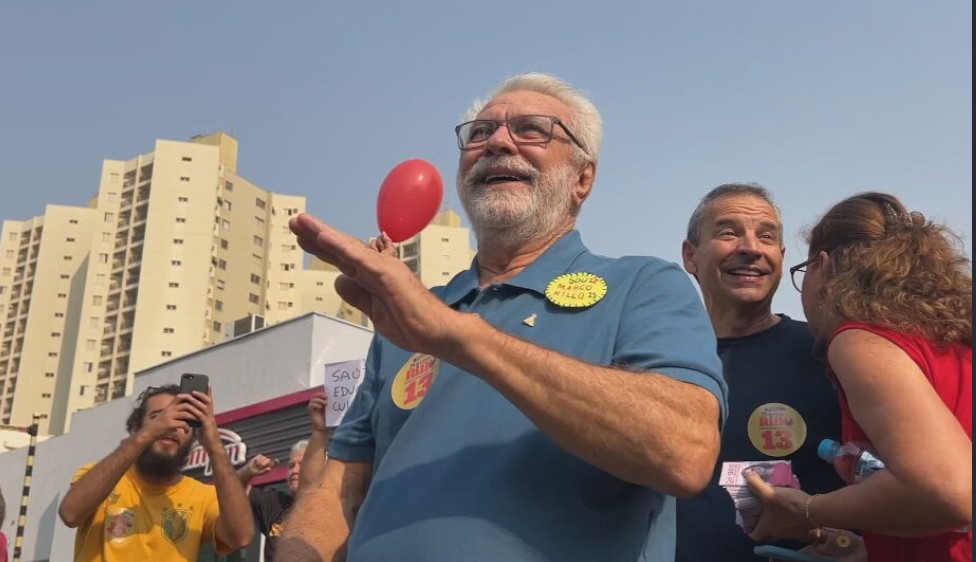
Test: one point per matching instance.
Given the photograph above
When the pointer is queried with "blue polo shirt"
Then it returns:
(461, 474)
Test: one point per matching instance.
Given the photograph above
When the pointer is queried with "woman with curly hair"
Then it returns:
(888, 297)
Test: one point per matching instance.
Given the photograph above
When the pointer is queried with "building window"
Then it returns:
(68, 258)
(178, 241)
(69, 239)
(49, 375)
(65, 276)
(97, 300)
(106, 237)
(184, 179)
(170, 307)
(168, 330)
(94, 322)
(55, 334)
(45, 395)
(102, 258)
(52, 353)
(59, 315)
(258, 241)
(219, 305)
(256, 279)
(182, 199)
(99, 278)
(109, 217)
(70, 221)
(62, 295)
(228, 186)
(227, 204)
(174, 285)
(220, 284)
(180, 220)
(224, 244)
(90, 345)
(259, 222)
(221, 264)
(176, 263)
(260, 203)
(216, 326)
(166, 353)
(225, 224)
(253, 298)
(110, 196)
(187, 159)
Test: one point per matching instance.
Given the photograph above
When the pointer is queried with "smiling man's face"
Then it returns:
(739, 259)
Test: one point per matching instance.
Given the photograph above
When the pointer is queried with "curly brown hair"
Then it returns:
(894, 269)
(134, 421)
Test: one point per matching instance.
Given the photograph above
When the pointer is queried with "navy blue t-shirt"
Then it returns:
(781, 405)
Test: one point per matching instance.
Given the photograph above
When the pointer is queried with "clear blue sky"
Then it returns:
(816, 100)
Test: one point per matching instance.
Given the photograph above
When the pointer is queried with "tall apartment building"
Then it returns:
(173, 248)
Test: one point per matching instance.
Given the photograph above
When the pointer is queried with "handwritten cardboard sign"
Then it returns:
(342, 381)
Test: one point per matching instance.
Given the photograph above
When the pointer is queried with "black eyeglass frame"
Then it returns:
(801, 267)
(499, 122)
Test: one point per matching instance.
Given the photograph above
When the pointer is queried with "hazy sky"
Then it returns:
(816, 100)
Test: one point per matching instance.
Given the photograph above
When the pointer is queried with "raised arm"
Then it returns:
(660, 432)
(257, 466)
(91, 489)
(313, 463)
(317, 530)
(235, 526)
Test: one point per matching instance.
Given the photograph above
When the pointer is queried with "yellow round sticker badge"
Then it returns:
(576, 290)
(413, 380)
(776, 429)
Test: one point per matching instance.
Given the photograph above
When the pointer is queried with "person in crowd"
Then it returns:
(305, 464)
(135, 504)
(888, 297)
(546, 404)
(781, 404)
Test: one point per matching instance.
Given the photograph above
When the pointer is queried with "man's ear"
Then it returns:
(584, 184)
(688, 258)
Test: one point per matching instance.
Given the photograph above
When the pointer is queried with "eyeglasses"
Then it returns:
(800, 269)
(524, 129)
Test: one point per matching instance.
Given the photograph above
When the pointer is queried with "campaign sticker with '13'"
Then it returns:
(413, 380)
(777, 429)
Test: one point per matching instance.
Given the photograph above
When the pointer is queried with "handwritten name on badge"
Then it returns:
(576, 290)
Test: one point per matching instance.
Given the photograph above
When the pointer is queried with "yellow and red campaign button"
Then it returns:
(413, 380)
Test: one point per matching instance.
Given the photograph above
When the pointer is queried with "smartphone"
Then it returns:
(190, 382)
(778, 554)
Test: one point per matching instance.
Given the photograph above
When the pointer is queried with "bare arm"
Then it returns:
(660, 432)
(317, 530)
(94, 486)
(313, 463)
(927, 484)
(235, 526)
(926, 487)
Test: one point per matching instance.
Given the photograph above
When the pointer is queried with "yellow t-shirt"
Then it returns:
(144, 521)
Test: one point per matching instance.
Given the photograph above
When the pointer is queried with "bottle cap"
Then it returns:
(827, 449)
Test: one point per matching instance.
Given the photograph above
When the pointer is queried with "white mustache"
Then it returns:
(485, 167)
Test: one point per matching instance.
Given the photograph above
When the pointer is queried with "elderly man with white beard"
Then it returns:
(546, 404)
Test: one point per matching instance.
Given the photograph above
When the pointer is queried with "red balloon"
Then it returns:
(409, 198)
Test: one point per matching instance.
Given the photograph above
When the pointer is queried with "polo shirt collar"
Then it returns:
(556, 260)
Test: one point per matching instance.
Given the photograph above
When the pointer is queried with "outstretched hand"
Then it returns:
(382, 287)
